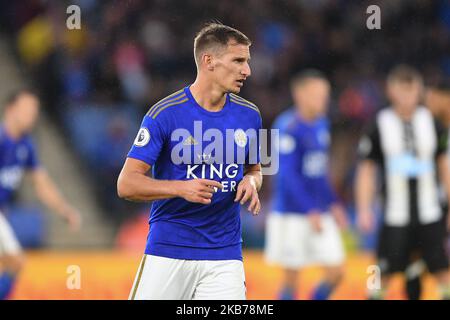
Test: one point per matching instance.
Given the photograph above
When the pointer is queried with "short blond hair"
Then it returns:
(404, 74)
(216, 35)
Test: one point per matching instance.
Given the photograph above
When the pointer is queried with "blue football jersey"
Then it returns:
(302, 183)
(16, 157)
(183, 141)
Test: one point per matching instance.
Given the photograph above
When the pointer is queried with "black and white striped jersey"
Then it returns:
(406, 152)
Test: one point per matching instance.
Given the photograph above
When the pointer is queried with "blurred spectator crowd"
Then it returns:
(99, 81)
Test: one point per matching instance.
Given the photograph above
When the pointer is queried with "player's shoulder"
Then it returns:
(285, 120)
(373, 125)
(385, 111)
(384, 114)
(323, 123)
(388, 113)
(423, 111)
(167, 104)
(425, 114)
(244, 104)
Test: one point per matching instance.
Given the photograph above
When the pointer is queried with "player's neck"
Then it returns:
(207, 95)
(307, 116)
(404, 115)
(12, 131)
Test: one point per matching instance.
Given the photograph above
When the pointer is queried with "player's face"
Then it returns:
(405, 96)
(313, 95)
(25, 112)
(231, 67)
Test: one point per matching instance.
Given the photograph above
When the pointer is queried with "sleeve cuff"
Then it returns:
(145, 159)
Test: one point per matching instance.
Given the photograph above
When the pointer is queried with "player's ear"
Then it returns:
(208, 61)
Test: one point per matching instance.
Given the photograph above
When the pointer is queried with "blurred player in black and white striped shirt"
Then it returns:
(410, 148)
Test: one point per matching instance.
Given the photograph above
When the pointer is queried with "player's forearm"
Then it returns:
(49, 195)
(256, 177)
(444, 173)
(138, 187)
(365, 186)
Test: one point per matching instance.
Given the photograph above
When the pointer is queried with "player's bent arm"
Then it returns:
(133, 184)
(49, 195)
(444, 173)
(365, 185)
(254, 173)
(444, 177)
(364, 193)
(248, 188)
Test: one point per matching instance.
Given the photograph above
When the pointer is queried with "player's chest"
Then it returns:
(13, 155)
(314, 139)
(212, 141)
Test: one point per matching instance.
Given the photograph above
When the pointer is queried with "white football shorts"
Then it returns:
(9, 245)
(292, 243)
(160, 278)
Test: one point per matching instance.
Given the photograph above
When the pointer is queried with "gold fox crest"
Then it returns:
(190, 141)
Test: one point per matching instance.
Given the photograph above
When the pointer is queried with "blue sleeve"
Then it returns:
(149, 140)
(32, 162)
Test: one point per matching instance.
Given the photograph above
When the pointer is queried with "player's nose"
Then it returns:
(246, 71)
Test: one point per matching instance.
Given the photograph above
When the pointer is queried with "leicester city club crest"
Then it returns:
(240, 138)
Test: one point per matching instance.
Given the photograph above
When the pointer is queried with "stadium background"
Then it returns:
(96, 83)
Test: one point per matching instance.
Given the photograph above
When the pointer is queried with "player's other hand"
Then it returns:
(315, 220)
(199, 190)
(365, 220)
(340, 215)
(73, 218)
(247, 191)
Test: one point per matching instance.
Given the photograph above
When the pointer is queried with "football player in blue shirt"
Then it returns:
(17, 157)
(302, 229)
(201, 145)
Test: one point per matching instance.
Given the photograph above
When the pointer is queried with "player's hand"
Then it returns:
(73, 218)
(247, 191)
(340, 215)
(199, 190)
(315, 220)
(365, 220)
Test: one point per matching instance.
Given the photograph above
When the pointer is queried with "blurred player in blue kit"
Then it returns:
(194, 243)
(18, 156)
(302, 229)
